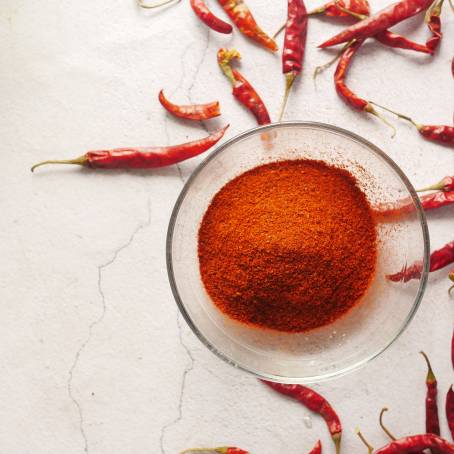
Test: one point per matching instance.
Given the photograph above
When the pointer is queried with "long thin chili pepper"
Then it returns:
(242, 89)
(391, 39)
(208, 18)
(438, 259)
(415, 443)
(143, 157)
(337, 8)
(191, 112)
(432, 420)
(294, 45)
(437, 133)
(446, 185)
(222, 450)
(344, 92)
(314, 402)
(450, 410)
(242, 17)
(384, 19)
(317, 449)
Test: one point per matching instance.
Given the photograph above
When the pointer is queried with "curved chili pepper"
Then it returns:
(446, 185)
(294, 45)
(222, 450)
(191, 112)
(438, 259)
(314, 402)
(337, 8)
(341, 87)
(415, 443)
(208, 18)
(450, 410)
(432, 420)
(317, 449)
(242, 89)
(384, 19)
(242, 17)
(401, 42)
(142, 157)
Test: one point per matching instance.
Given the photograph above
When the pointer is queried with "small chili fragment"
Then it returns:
(142, 157)
(437, 133)
(242, 89)
(337, 8)
(208, 18)
(415, 443)
(446, 185)
(384, 19)
(294, 45)
(344, 92)
(450, 410)
(438, 259)
(242, 17)
(222, 450)
(317, 449)
(314, 402)
(432, 420)
(191, 112)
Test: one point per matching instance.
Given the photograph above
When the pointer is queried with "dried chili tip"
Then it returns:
(449, 407)
(221, 450)
(142, 4)
(430, 379)
(191, 112)
(317, 449)
(208, 18)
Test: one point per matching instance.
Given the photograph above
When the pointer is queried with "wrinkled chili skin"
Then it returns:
(191, 112)
(355, 6)
(391, 39)
(242, 17)
(438, 133)
(295, 37)
(150, 157)
(438, 259)
(341, 73)
(383, 20)
(208, 18)
(314, 402)
(246, 95)
(415, 443)
(432, 420)
(437, 200)
(450, 410)
(317, 449)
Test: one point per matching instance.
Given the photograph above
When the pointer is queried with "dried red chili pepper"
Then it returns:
(432, 420)
(446, 185)
(294, 45)
(434, 24)
(242, 89)
(222, 450)
(314, 402)
(438, 259)
(384, 19)
(344, 92)
(337, 8)
(415, 443)
(191, 112)
(143, 157)
(317, 449)
(401, 42)
(450, 410)
(242, 17)
(208, 18)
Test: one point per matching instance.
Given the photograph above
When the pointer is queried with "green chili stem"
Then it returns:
(81, 161)
(224, 64)
(434, 187)
(399, 115)
(370, 448)
(142, 4)
(217, 450)
(372, 111)
(289, 79)
(382, 425)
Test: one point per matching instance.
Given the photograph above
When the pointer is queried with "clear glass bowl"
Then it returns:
(353, 340)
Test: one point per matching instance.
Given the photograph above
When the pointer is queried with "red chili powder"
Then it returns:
(289, 245)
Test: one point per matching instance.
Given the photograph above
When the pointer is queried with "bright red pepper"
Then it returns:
(450, 410)
(432, 420)
(335, 8)
(317, 449)
(142, 157)
(384, 19)
(415, 443)
(208, 18)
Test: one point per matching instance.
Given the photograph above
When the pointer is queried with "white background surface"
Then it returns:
(93, 354)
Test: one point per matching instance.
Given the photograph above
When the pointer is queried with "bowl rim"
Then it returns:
(371, 147)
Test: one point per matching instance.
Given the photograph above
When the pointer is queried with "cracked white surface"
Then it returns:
(93, 355)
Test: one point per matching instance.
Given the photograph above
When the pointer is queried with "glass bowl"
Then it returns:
(367, 329)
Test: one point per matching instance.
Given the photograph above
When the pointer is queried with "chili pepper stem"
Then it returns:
(289, 79)
(434, 10)
(399, 115)
(319, 69)
(435, 187)
(382, 425)
(430, 373)
(337, 442)
(142, 4)
(81, 161)
(372, 111)
(222, 450)
(370, 448)
(280, 30)
(451, 277)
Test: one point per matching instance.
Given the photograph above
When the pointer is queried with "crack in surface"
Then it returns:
(97, 321)
(186, 371)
